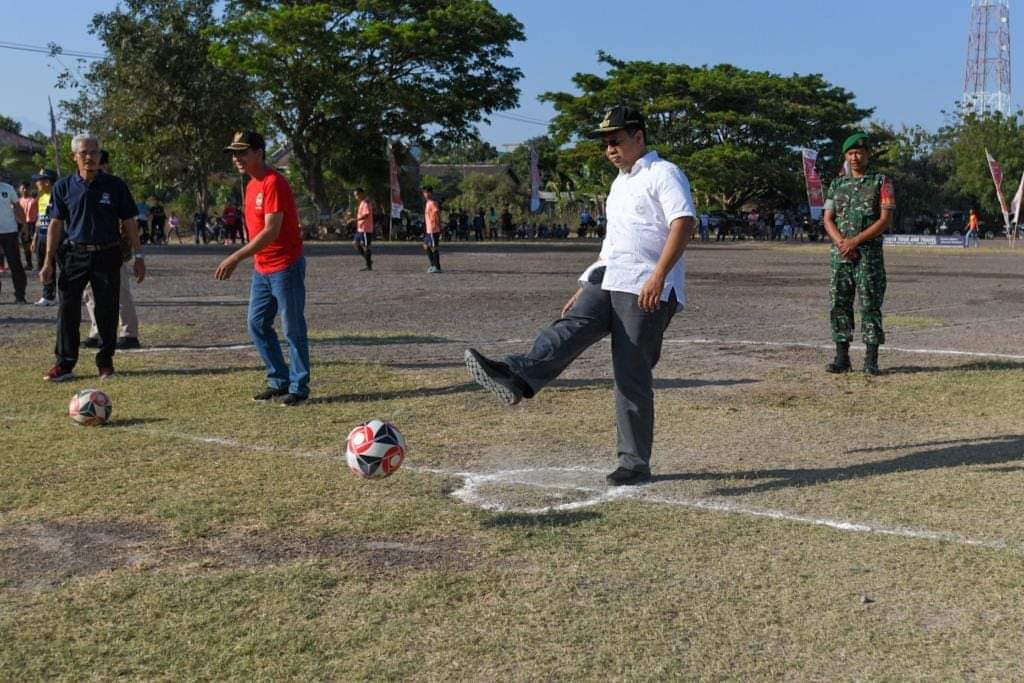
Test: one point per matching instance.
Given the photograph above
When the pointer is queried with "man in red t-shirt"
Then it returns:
(279, 281)
(364, 227)
(432, 236)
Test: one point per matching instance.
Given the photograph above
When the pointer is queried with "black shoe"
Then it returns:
(20, 300)
(269, 394)
(128, 343)
(91, 342)
(841, 363)
(871, 361)
(292, 400)
(627, 477)
(493, 376)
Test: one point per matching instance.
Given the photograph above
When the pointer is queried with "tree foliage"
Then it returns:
(736, 132)
(966, 138)
(9, 124)
(338, 77)
(157, 100)
(468, 150)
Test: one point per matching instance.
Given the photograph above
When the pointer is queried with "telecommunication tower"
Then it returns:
(987, 78)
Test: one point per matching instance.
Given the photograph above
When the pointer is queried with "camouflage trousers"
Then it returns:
(866, 276)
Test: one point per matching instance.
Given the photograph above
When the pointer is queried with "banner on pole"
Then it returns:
(534, 180)
(815, 194)
(997, 178)
(396, 189)
(1017, 200)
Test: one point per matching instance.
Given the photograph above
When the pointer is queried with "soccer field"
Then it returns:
(800, 525)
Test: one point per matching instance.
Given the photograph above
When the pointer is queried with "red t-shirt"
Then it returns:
(273, 194)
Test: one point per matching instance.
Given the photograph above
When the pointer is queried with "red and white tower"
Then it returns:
(987, 78)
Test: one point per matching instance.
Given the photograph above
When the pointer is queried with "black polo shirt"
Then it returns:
(92, 212)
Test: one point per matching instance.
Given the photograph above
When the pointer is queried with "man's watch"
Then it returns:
(139, 256)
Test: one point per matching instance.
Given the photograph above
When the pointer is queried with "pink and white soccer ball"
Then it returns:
(90, 407)
(375, 449)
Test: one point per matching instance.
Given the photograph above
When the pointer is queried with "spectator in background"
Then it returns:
(30, 207)
(705, 226)
(44, 181)
(479, 222)
(971, 234)
(199, 219)
(157, 220)
(11, 218)
(174, 225)
(506, 224)
(363, 237)
(492, 223)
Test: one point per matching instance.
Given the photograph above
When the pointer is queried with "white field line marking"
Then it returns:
(469, 493)
(827, 347)
(472, 481)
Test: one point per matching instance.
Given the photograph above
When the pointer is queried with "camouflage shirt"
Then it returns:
(858, 202)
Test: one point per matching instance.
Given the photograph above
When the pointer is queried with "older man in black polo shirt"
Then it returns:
(92, 207)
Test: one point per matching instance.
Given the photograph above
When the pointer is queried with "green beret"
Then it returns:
(858, 139)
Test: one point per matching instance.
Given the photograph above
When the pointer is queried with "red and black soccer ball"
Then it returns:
(375, 449)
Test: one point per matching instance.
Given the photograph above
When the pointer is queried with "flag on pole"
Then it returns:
(815, 195)
(1018, 199)
(53, 137)
(396, 189)
(534, 180)
(997, 178)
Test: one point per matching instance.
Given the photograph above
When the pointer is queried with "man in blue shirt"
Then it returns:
(91, 207)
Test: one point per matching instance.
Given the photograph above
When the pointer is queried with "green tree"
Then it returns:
(338, 77)
(158, 100)
(484, 191)
(469, 150)
(967, 137)
(9, 124)
(736, 132)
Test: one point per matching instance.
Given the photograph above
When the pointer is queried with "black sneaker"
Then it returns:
(627, 477)
(91, 342)
(493, 376)
(128, 343)
(20, 300)
(292, 400)
(269, 394)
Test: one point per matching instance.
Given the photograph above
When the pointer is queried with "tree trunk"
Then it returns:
(312, 170)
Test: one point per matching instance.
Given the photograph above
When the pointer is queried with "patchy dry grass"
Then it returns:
(139, 550)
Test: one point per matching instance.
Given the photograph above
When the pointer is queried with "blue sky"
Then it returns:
(905, 58)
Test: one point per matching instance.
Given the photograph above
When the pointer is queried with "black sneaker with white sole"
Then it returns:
(270, 394)
(495, 377)
(292, 400)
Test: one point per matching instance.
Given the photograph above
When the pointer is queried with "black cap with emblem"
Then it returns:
(621, 117)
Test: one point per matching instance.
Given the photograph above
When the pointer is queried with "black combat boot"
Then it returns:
(871, 360)
(841, 363)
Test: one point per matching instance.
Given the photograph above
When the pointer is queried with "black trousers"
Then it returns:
(10, 243)
(101, 269)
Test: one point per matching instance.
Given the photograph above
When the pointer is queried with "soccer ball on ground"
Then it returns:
(90, 407)
(375, 449)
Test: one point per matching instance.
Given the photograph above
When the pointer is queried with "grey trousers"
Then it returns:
(636, 348)
(128, 318)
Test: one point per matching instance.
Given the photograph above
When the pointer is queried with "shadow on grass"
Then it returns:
(988, 451)
(186, 303)
(423, 365)
(966, 367)
(355, 340)
(134, 422)
(184, 372)
(391, 395)
(26, 321)
(504, 520)
(658, 383)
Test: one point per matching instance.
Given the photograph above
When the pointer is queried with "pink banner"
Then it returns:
(997, 178)
(815, 194)
(396, 189)
(534, 180)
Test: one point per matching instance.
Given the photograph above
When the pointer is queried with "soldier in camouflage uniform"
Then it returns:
(858, 209)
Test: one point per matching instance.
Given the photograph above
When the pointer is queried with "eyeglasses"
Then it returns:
(88, 152)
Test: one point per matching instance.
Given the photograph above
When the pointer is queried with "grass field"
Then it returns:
(801, 526)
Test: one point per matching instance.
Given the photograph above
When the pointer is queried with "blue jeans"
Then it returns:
(284, 290)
